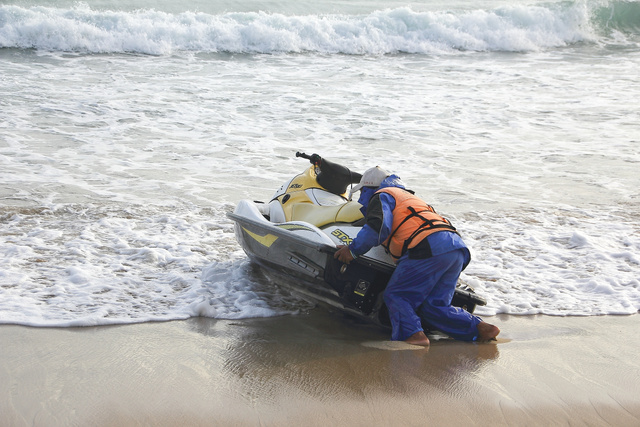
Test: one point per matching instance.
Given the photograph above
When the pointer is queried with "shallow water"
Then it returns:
(127, 133)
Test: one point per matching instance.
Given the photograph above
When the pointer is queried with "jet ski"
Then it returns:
(294, 235)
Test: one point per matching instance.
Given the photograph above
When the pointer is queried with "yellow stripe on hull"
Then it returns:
(266, 240)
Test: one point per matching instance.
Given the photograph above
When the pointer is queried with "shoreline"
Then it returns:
(320, 368)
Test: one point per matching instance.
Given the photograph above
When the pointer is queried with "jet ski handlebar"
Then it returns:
(314, 158)
(332, 176)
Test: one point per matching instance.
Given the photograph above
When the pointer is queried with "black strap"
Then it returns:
(393, 232)
(426, 225)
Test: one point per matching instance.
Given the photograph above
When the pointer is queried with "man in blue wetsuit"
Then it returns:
(429, 255)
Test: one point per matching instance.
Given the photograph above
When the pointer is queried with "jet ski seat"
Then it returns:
(322, 215)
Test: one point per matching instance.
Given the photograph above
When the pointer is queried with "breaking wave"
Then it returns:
(401, 30)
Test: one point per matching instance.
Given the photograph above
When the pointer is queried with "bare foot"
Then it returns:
(419, 338)
(487, 332)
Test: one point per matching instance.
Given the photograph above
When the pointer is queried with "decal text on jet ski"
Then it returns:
(342, 236)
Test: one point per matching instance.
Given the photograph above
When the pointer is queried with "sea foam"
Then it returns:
(84, 266)
(400, 30)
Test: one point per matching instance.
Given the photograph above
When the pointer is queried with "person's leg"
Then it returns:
(402, 299)
(436, 310)
(408, 287)
(487, 332)
(419, 338)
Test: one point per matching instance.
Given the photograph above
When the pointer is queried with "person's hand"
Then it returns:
(343, 254)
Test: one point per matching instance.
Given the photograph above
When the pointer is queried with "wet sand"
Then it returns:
(320, 369)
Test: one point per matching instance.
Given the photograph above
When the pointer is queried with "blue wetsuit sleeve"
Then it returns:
(366, 239)
(368, 236)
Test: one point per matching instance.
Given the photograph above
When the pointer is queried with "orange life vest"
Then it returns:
(413, 221)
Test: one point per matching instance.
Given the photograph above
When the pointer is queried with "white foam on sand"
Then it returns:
(83, 266)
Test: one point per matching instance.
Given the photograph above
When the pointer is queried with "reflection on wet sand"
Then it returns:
(329, 357)
(319, 369)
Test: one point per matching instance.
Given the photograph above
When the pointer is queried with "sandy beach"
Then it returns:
(320, 369)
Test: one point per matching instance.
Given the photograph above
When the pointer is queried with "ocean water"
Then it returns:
(129, 128)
